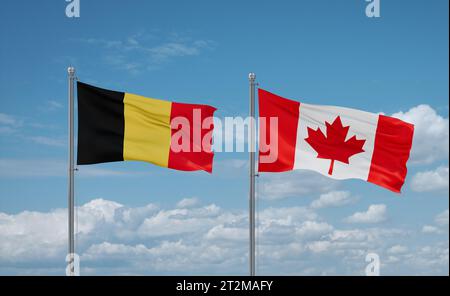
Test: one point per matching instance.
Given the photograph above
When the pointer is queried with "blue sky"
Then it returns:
(320, 52)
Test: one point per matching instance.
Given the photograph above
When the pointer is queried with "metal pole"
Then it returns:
(71, 206)
(251, 78)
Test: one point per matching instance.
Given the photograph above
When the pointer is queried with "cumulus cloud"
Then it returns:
(188, 202)
(229, 233)
(374, 214)
(38, 236)
(433, 255)
(179, 221)
(203, 239)
(441, 224)
(333, 199)
(309, 229)
(433, 180)
(431, 134)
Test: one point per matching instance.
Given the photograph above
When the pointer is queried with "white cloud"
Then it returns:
(167, 257)
(353, 235)
(101, 209)
(442, 218)
(333, 199)
(115, 239)
(54, 104)
(37, 236)
(431, 134)
(431, 180)
(285, 215)
(20, 128)
(227, 233)
(179, 221)
(51, 105)
(141, 52)
(188, 202)
(313, 229)
(431, 229)
(434, 255)
(374, 214)
(397, 249)
(294, 184)
(165, 51)
(441, 224)
(6, 119)
(319, 246)
(108, 231)
(9, 123)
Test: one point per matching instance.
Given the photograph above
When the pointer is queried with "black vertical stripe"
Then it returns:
(101, 124)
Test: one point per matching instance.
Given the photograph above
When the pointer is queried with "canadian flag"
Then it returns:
(337, 142)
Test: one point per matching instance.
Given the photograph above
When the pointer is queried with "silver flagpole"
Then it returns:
(71, 206)
(252, 78)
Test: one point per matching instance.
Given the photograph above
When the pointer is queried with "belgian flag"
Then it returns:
(118, 126)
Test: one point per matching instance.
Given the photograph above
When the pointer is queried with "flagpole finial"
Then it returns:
(251, 76)
(71, 70)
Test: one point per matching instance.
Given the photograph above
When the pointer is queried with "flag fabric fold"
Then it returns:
(118, 126)
(337, 142)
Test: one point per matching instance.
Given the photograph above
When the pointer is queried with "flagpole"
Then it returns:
(252, 251)
(71, 167)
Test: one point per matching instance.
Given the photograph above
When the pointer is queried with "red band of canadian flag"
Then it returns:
(337, 142)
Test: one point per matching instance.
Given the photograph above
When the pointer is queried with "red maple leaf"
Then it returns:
(334, 146)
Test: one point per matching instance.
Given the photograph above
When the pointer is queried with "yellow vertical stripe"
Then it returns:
(147, 129)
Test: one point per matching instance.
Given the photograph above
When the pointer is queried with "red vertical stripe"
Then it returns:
(393, 141)
(199, 157)
(287, 111)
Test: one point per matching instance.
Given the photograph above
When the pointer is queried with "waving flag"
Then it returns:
(117, 126)
(340, 143)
